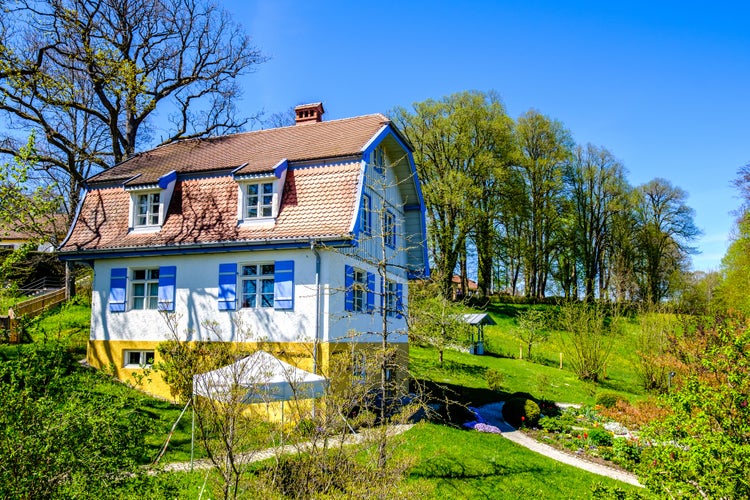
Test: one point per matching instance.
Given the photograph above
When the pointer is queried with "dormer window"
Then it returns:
(259, 200)
(149, 203)
(148, 210)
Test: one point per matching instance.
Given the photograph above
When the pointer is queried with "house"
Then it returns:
(458, 292)
(305, 235)
(50, 233)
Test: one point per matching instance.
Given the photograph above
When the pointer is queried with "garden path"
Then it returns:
(493, 414)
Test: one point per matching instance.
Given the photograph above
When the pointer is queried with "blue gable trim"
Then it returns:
(280, 168)
(166, 179)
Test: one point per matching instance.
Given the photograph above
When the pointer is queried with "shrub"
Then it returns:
(521, 411)
(495, 379)
(609, 399)
(626, 451)
(600, 437)
(555, 424)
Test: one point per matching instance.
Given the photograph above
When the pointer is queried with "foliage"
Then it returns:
(587, 338)
(532, 328)
(463, 146)
(664, 229)
(600, 437)
(520, 412)
(495, 379)
(634, 416)
(435, 320)
(58, 439)
(702, 448)
(26, 206)
(608, 399)
(652, 344)
(88, 77)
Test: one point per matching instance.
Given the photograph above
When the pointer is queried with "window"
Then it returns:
(147, 210)
(389, 229)
(358, 291)
(139, 359)
(257, 285)
(366, 214)
(377, 159)
(359, 368)
(259, 200)
(145, 286)
(391, 298)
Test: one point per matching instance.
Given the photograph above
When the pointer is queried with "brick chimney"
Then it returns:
(305, 114)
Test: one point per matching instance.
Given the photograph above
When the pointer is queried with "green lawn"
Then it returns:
(454, 463)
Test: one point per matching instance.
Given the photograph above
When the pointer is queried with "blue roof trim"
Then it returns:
(280, 167)
(90, 255)
(166, 179)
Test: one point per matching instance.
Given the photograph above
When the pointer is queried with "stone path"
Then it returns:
(203, 464)
(493, 414)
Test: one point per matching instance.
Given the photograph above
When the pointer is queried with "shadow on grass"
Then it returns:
(451, 468)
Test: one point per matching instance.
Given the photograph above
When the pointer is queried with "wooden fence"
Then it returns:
(34, 307)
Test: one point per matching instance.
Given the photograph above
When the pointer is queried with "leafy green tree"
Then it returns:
(586, 338)
(463, 144)
(545, 147)
(702, 448)
(88, 76)
(597, 188)
(664, 230)
(731, 293)
(533, 328)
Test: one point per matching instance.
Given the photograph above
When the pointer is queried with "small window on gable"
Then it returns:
(389, 229)
(366, 214)
(148, 211)
(259, 200)
(377, 159)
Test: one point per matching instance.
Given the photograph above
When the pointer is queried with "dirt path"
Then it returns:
(493, 414)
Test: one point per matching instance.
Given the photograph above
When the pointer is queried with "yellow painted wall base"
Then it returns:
(334, 359)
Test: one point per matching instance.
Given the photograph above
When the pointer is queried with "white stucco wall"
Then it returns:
(196, 302)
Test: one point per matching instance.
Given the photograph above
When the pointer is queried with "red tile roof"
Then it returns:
(259, 151)
(317, 202)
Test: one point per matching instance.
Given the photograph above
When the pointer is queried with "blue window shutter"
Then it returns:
(370, 292)
(283, 284)
(349, 288)
(166, 294)
(399, 300)
(227, 287)
(118, 284)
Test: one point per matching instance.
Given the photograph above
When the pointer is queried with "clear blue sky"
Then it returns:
(663, 85)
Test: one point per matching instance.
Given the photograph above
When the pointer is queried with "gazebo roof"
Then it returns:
(478, 319)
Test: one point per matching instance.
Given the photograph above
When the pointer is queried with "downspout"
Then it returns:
(318, 304)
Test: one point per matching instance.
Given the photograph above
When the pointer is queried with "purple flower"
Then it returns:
(487, 428)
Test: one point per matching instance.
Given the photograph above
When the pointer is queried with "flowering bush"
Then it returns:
(487, 428)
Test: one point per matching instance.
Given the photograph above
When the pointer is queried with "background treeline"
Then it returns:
(544, 215)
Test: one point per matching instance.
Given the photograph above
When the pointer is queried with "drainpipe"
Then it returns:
(318, 304)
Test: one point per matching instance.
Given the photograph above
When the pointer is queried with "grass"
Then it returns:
(453, 463)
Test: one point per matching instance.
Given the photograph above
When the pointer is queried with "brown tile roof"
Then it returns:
(317, 202)
(260, 150)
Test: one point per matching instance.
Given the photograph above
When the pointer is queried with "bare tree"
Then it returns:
(89, 75)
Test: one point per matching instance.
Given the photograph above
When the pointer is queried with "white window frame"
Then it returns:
(150, 282)
(266, 209)
(260, 277)
(377, 159)
(366, 214)
(389, 229)
(143, 354)
(154, 210)
(391, 298)
(359, 290)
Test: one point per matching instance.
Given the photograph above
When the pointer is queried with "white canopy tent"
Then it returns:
(264, 377)
(257, 378)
